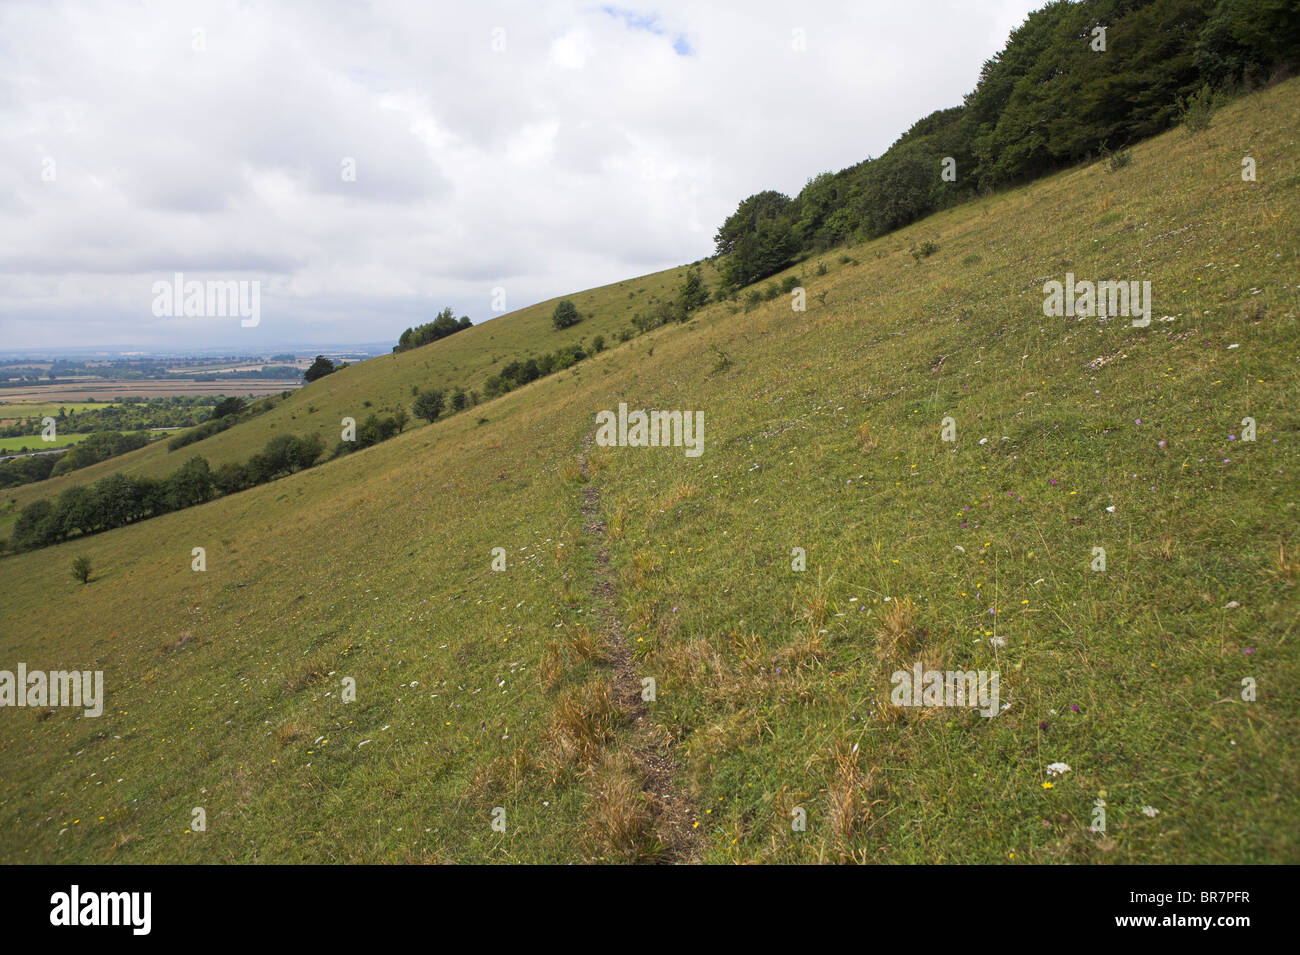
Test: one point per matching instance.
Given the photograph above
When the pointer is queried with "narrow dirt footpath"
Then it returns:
(650, 746)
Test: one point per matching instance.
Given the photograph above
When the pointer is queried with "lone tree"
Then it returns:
(321, 367)
(565, 315)
(428, 405)
(81, 569)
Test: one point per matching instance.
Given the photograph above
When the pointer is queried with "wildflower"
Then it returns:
(1150, 811)
(1058, 769)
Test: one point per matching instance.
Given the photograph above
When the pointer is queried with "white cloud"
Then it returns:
(593, 144)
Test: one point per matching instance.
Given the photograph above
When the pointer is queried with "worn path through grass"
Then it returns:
(648, 758)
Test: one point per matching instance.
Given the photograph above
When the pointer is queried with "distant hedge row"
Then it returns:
(120, 499)
(95, 448)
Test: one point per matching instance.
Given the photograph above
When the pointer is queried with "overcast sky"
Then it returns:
(537, 147)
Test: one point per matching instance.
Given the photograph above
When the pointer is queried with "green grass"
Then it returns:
(467, 359)
(33, 442)
(223, 686)
(17, 410)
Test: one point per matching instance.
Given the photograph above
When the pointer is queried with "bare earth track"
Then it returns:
(650, 746)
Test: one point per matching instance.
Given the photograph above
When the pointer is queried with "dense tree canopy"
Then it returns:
(1049, 98)
(442, 326)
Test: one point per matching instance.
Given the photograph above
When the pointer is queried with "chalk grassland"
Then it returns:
(478, 690)
(382, 385)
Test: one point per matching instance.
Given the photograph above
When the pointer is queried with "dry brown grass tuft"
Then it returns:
(1288, 568)
(123, 840)
(551, 670)
(622, 818)
(849, 799)
(582, 722)
(578, 645)
(305, 674)
(866, 439)
(900, 633)
(173, 646)
(814, 608)
(505, 775)
(291, 732)
(583, 645)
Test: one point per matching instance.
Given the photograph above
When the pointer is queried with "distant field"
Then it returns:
(17, 411)
(146, 389)
(33, 442)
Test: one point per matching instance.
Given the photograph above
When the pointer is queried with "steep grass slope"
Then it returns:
(382, 385)
(485, 695)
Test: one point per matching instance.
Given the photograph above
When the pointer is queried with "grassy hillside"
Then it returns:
(382, 385)
(478, 690)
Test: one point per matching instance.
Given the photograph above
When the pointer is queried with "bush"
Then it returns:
(598, 344)
(37, 525)
(693, 293)
(81, 569)
(1196, 110)
(231, 478)
(565, 315)
(190, 484)
(375, 429)
(926, 249)
(305, 452)
(228, 406)
(429, 404)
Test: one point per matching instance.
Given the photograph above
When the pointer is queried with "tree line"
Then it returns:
(121, 499)
(442, 326)
(176, 411)
(1075, 80)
